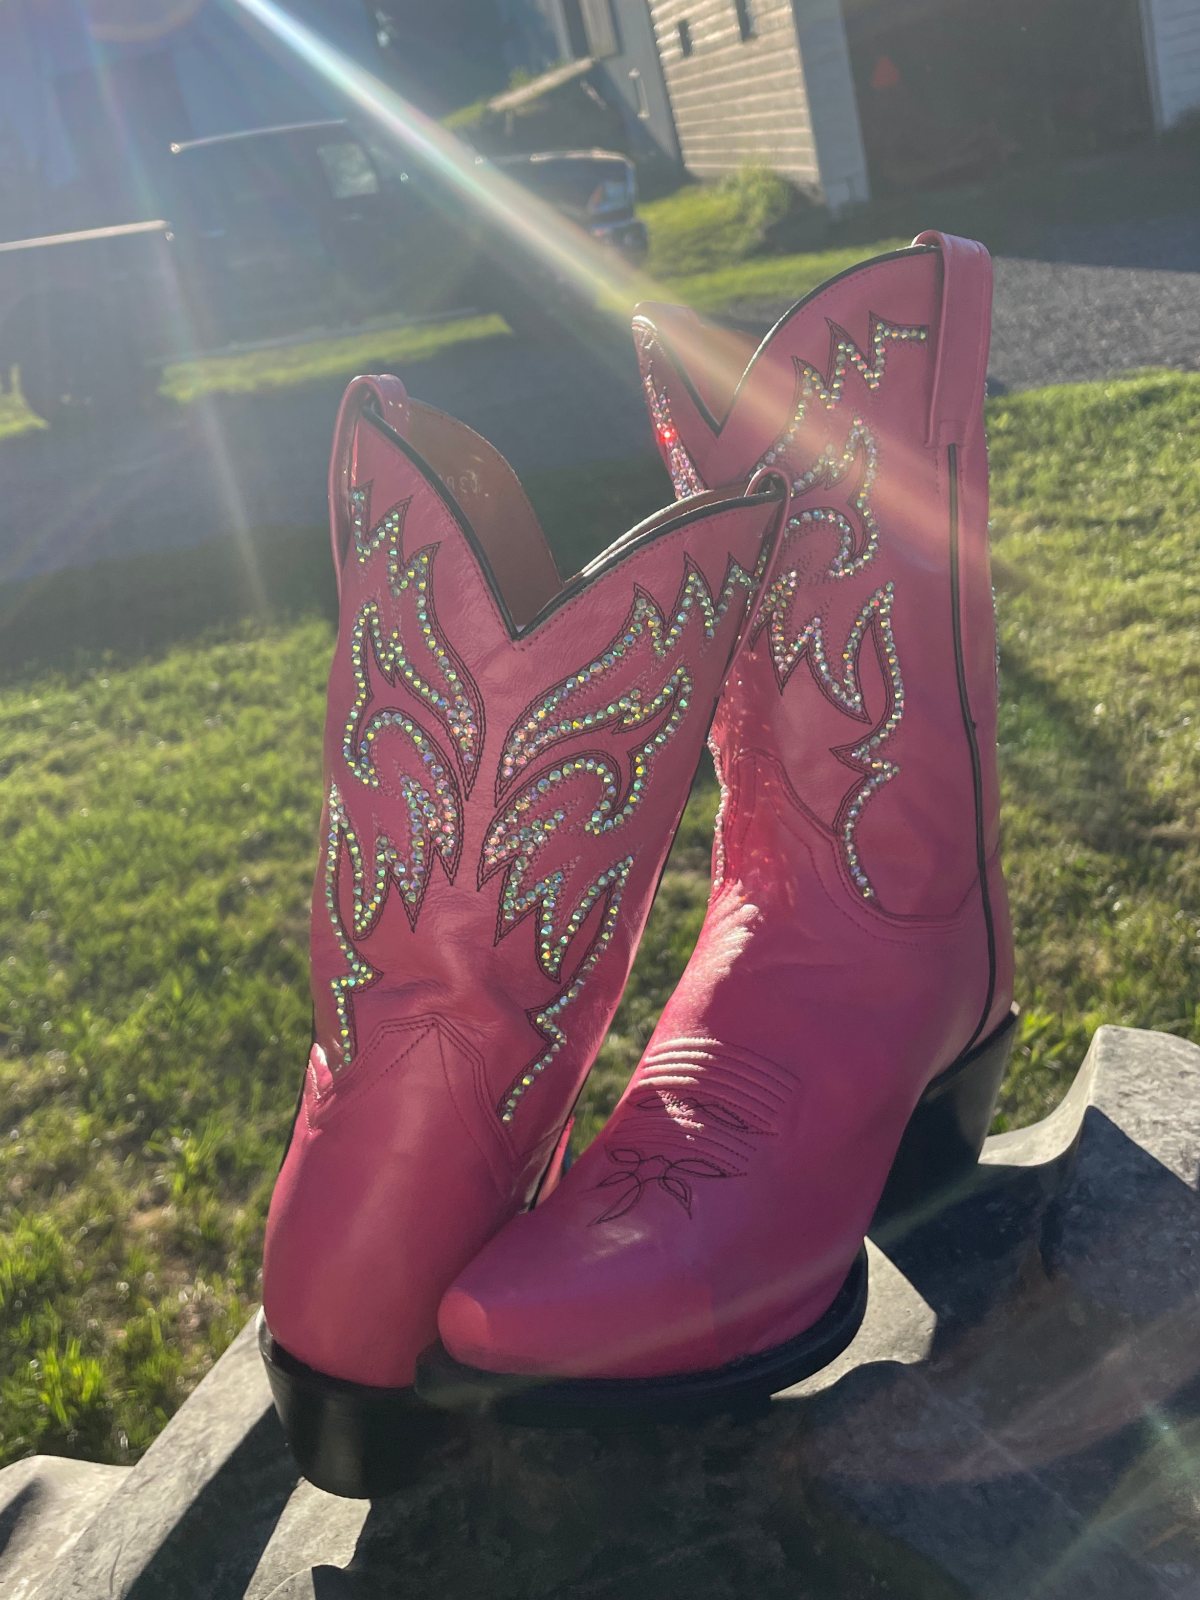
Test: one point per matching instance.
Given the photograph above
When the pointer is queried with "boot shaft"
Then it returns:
(868, 688)
(506, 757)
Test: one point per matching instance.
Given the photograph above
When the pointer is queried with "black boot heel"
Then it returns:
(945, 1134)
(348, 1438)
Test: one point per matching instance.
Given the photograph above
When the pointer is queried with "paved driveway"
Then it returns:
(1101, 301)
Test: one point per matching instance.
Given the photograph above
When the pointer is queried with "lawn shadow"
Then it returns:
(1076, 772)
(125, 609)
(130, 606)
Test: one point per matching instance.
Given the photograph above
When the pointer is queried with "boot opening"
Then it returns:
(487, 489)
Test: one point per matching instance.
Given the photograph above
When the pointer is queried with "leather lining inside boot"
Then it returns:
(487, 489)
(505, 523)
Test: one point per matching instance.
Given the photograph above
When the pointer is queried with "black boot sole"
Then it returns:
(740, 1386)
(350, 1439)
(939, 1149)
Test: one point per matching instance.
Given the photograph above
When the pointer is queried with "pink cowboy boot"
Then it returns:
(853, 978)
(506, 760)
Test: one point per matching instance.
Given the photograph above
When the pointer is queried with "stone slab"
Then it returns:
(194, 1516)
(1018, 1419)
(46, 1502)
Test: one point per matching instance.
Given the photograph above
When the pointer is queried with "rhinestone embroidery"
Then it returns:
(831, 467)
(431, 801)
(718, 855)
(844, 691)
(679, 463)
(456, 707)
(540, 811)
(546, 1021)
(433, 818)
(516, 836)
(388, 530)
(340, 830)
(542, 724)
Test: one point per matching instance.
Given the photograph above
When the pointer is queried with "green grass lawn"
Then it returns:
(770, 278)
(284, 368)
(158, 808)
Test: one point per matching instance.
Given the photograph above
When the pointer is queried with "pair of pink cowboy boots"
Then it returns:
(507, 757)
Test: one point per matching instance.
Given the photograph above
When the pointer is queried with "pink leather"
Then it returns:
(464, 971)
(852, 948)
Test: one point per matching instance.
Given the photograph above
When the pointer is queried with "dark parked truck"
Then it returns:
(273, 233)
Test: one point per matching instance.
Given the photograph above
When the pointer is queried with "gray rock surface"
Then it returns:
(1019, 1419)
(196, 1513)
(46, 1502)
(1093, 303)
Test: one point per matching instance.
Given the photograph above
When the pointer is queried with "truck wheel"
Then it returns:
(72, 366)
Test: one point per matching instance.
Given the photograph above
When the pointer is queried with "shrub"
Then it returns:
(706, 226)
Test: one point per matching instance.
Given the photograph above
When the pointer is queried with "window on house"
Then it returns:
(600, 27)
(685, 38)
(639, 91)
(747, 25)
(577, 40)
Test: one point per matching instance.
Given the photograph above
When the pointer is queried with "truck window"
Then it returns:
(348, 169)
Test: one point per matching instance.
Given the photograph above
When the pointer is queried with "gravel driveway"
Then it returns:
(1096, 302)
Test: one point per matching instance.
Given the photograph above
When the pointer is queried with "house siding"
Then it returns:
(1172, 29)
(736, 101)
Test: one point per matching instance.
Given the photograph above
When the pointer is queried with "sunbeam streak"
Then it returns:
(526, 220)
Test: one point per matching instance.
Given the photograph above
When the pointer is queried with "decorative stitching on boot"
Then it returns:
(638, 1172)
(461, 707)
(716, 1100)
(536, 728)
(845, 692)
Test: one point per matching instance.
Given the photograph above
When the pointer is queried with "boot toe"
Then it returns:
(530, 1305)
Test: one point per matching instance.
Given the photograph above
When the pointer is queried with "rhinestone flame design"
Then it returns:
(388, 531)
(832, 465)
(339, 835)
(679, 463)
(457, 703)
(845, 691)
(428, 792)
(591, 782)
(547, 721)
(612, 884)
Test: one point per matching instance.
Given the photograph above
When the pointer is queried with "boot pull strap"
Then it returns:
(391, 400)
(964, 337)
